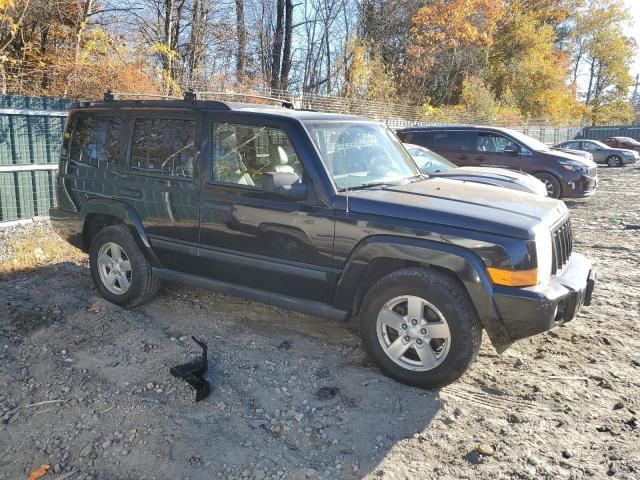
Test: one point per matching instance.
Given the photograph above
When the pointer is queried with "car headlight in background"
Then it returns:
(574, 167)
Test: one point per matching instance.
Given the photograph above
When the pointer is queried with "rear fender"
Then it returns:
(127, 214)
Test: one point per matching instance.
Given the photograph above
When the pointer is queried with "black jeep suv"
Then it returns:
(320, 213)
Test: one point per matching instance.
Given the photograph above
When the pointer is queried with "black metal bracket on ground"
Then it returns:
(192, 372)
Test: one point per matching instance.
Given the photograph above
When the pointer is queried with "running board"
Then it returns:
(309, 307)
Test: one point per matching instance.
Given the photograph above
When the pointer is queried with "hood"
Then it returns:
(463, 205)
(563, 155)
(500, 177)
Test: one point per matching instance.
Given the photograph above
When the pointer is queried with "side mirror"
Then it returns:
(287, 184)
(511, 150)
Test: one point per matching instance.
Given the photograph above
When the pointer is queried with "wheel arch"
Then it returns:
(99, 213)
(379, 255)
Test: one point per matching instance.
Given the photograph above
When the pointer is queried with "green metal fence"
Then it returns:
(31, 130)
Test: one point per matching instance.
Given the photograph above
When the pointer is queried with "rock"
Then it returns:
(150, 386)
(567, 454)
(379, 438)
(618, 406)
(612, 469)
(486, 450)
(86, 451)
(326, 393)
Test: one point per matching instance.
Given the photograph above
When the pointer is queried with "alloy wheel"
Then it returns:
(114, 268)
(413, 333)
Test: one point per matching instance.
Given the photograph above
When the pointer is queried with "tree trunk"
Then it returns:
(277, 46)
(241, 32)
(592, 72)
(286, 57)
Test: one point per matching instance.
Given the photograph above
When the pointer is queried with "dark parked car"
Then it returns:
(434, 165)
(623, 142)
(601, 153)
(319, 213)
(563, 174)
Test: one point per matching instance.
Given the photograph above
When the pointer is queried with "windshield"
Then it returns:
(528, 141)
(429, 162)
(359, 154)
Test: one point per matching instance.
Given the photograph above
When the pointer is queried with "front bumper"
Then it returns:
(529, 311)
(583, 186)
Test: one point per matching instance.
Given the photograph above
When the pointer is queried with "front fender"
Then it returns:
(465, 265)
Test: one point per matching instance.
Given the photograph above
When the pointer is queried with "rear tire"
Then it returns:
(614, 161)
(121, 272)
(551, 183)
(419, 327)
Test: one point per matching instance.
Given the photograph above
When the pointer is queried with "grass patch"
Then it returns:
(29, 248)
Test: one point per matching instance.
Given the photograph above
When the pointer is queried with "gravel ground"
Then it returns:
(85, 385)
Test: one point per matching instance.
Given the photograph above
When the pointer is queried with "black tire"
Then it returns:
(614, 161)
(143, 285)
(449, 297)
(552, 184)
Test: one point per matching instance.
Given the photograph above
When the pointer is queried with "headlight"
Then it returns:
(544, 252)
(574, 167)
(531, 277)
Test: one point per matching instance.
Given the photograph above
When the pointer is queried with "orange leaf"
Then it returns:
(95, 308)
(39, 472)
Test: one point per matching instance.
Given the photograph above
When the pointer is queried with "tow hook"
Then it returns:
(192, 372)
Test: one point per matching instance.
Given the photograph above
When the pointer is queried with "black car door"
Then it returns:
(160, 181)
(252, 237)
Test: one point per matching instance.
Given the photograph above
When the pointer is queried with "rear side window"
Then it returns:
(95, 141)
(574, 145)
(458, 141)
(493, 143)
(163, 146)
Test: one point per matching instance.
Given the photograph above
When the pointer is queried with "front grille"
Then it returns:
(562, 240)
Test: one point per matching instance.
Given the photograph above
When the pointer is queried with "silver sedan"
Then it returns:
(613, 157)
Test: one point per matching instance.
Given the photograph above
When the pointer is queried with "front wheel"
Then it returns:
(419, 327)
(551, 183)
(120, 270)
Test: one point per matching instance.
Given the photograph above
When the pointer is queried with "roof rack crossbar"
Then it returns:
(191, 96)
(110, 96)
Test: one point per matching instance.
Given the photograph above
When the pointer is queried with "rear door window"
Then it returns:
(95, 141)
(163, 146)
(454, 140)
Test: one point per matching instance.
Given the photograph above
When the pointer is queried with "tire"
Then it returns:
(552, 184)
(445, 308)
(111, 275)
(614, 161)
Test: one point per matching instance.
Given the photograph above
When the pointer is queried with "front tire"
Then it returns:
(551, 183)
(419, 327)
(121, 272)
(614, 161)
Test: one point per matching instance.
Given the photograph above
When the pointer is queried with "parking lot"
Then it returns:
(85, 385)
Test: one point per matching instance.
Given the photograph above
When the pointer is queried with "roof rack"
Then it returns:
(192, 96)
(110, 96)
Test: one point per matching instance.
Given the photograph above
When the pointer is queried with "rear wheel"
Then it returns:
(551, 183)
(419, 327)
(121, 272)
(614, 161)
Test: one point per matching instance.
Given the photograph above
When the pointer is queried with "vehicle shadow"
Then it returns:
(290, 393)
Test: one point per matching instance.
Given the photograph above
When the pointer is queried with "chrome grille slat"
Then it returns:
(562, 239)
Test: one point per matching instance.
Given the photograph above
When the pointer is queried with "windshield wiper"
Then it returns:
(363, 186)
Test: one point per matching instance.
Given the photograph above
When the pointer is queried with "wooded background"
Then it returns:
(506, 61)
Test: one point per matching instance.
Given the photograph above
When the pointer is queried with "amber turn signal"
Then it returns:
(513, 278)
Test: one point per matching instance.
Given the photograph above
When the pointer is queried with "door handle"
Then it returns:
(223, 207)
(130, 192)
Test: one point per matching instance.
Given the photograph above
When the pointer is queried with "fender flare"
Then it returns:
(460, 262)
(127, 214)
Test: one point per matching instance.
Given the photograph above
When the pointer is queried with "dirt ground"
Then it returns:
(85, 385)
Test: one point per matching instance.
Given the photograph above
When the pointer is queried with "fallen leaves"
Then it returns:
(39, 472)
(95, 308)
